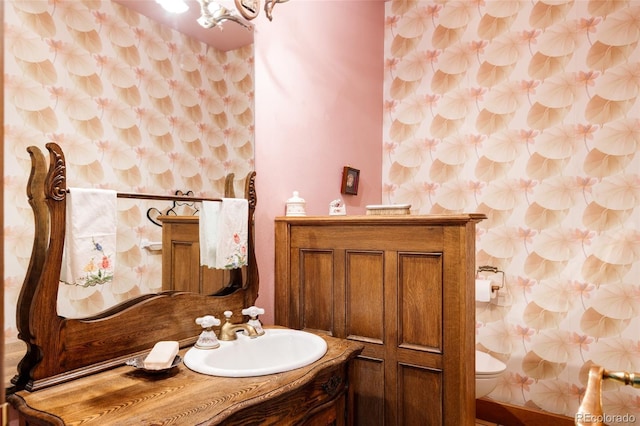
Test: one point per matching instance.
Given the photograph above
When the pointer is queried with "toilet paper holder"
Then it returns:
(493, 270)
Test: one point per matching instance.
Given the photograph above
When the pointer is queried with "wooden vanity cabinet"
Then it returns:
(314, 395)
(72, 370)
(403, 286)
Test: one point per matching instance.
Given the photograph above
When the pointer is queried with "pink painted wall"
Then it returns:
(319, 73)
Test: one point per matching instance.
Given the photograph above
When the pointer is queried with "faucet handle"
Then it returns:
(253, 311)
(207, 339)
(207, 321)
(227, 315)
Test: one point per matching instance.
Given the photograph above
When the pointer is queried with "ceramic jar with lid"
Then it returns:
(295, 206)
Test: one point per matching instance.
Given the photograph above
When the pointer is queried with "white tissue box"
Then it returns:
(388, 209)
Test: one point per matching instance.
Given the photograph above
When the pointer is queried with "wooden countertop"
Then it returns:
(125, 395)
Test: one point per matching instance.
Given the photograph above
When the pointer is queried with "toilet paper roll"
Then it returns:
(483, 290)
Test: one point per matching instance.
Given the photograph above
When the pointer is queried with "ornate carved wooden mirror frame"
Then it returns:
(61, 349)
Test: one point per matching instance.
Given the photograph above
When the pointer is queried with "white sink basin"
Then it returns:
(276, 351)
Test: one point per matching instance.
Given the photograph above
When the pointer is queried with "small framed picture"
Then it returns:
(350, 179)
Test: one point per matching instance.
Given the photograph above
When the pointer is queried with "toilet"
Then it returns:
(488, 368)
(488, 371)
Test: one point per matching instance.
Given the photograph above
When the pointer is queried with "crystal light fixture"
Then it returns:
(214, 13)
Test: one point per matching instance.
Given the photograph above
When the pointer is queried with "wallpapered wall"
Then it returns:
(136, 108)
(527, 111)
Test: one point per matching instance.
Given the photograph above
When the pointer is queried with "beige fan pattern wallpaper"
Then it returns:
(528, 111)
(136, 107)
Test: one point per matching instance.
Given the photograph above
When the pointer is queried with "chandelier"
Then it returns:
(214, 13)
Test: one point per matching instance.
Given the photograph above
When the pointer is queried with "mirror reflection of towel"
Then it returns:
(223, 233)
(90, 237)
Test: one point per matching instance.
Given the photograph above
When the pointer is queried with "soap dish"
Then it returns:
(138, 362)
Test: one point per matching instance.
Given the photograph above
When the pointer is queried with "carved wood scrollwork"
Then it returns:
(332, 385)
(56, 184)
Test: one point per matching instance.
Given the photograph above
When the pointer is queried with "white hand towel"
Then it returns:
(224, 233)
(90, 238)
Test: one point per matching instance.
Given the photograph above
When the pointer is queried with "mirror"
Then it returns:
(137, 106)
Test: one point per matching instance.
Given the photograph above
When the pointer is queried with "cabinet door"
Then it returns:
(184, 272)
(394, 307)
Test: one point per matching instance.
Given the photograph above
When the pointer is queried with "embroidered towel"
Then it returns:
(90, 238)
(223, 233)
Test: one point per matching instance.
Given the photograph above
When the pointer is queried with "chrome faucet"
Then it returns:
(229, 329)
